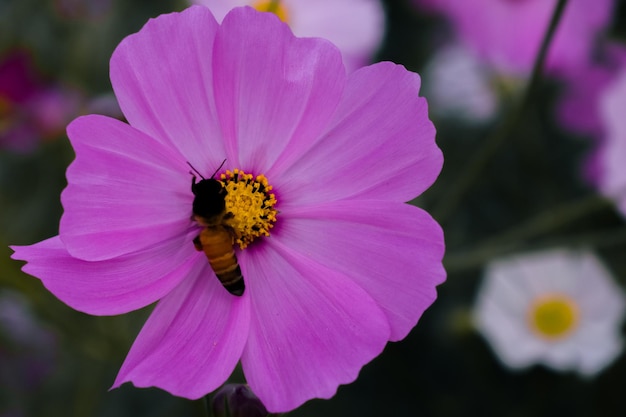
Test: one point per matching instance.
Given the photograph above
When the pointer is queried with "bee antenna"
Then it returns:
(218, 168)
(198, 172)
(195, 170)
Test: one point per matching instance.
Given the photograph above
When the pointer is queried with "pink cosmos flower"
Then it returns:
(346, 266)
(355, 26)
(30, 108)
(579, 109)
(508, 34)
(612, 175)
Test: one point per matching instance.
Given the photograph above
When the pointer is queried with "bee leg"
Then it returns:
(197, 244)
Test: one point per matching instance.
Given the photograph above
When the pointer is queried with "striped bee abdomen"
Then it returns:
(217, 244)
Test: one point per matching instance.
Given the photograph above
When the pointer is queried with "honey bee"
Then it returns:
(217, 238)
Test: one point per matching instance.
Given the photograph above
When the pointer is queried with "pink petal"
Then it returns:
(193, 339)
(392, 250)
(578, 109)
(380, 126)
(509, 33)
(109, 287)
(355, 26)
(162, 78)
(125, 191)
(312, 327)
(273, 91)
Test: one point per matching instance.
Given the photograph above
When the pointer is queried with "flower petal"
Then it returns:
(109, 287)
(513, 284)
(162, 78)
(511, 340)
(355, 26)
(312, 327)
(275, 93)
(381, 126)
(598, 349)
(193, 339)
(392, 250)
(125, 191)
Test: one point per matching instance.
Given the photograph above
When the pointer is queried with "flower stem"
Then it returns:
(459, 262)
(552, 219)
(516, 238)
(477, 162)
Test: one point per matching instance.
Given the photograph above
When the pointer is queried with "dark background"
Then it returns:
(443, 368)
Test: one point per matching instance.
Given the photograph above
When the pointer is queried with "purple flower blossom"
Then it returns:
(347, 266)
(579, 107)
(236, 400)
(610, 158)
(508, 34)
(30, 108)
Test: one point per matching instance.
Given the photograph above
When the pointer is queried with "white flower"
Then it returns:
(611, 157)
(457, 84)
(560, 308)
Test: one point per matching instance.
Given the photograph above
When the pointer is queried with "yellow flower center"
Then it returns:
(251, 204)
(272, 6)
(553, 316)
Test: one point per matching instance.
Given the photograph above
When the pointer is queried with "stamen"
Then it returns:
(250, 206)
(553, 316)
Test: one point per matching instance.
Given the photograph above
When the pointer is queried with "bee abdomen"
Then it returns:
(232, 281)
(228, 272)
(217, 244)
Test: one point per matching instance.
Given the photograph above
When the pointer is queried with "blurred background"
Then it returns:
(521, 174)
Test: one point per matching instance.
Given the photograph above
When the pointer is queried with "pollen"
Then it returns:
(250, 203)
(553, 316)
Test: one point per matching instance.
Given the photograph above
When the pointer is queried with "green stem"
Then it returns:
(516, 238)
(453, 196)
(550, 220)
(459, 262)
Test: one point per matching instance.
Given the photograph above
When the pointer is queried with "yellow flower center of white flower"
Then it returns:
(272, 6)
(553, 316)
(251, 204)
